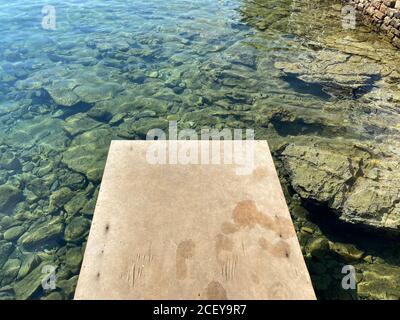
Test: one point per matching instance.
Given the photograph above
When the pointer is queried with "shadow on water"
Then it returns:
(327, 91)
(304, 87)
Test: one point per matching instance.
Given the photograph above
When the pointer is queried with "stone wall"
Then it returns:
(382, 15)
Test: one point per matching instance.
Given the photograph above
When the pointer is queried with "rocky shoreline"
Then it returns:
(382, 15)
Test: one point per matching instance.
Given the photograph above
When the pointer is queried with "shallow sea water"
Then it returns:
(116, 69)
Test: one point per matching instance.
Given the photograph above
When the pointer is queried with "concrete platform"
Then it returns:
(196, 231)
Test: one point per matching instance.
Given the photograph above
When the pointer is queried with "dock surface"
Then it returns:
(195, 231)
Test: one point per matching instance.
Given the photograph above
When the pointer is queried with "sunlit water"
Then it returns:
(116, 69)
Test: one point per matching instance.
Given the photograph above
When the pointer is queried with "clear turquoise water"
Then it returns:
(114, 70)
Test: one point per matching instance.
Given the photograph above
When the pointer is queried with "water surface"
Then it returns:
(116, 69)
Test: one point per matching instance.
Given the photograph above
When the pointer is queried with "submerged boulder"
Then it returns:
(9, 197)
(42, 232)
(87, 153)
(77, 229)
(62, 94)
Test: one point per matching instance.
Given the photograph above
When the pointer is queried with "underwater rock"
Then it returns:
(59, 198)
(7, 293)
(77, 229)
(87, 153)
(5, 250)
(9, 161)
(131, 128)
(10, 271)
(14, 233)
(91, 93)
(62, 94)
(72, 180)
(73, 259)
(29, 262)
(339, 73)
(68, 286)
(348, 252)
(379, 282)
(79, 123)
(53, 296)
(26, 287)
(9, 197)
(42, 232)
(73, 206)
(318, 246)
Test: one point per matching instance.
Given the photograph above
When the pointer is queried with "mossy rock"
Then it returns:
(348, 252)
(73, 259)
(29, 262)
(42, 232)
(14, 233)
(25, 288)
(59, 198)
(77, 229)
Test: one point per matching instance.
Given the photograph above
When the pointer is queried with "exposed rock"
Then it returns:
(7, 293)
(347, 179)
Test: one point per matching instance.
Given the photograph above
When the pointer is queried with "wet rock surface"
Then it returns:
(327, 100)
